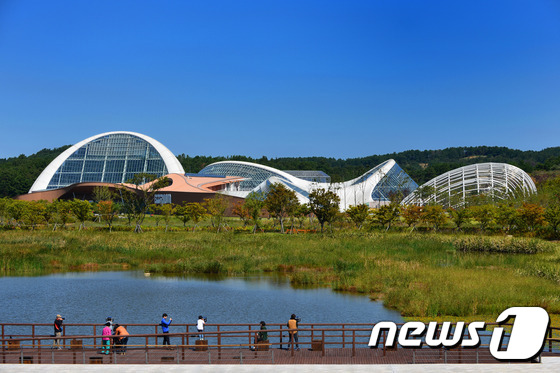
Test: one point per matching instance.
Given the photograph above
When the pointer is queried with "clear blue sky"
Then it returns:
(281, 78)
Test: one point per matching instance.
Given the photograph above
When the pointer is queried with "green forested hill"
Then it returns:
(18, 174)
(421, 165)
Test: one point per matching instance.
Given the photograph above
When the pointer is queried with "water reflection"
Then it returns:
(132, 297)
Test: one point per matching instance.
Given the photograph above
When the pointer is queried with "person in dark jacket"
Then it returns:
(165, 328)
(57, 331)
(263, 334)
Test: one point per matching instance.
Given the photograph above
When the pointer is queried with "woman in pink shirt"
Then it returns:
(106, 341)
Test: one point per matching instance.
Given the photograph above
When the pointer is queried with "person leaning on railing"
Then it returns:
(293, 325)
(106, 341)
(122, 341)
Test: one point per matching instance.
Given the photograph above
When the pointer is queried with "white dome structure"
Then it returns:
(111, 157)
(498, 181)
(372, 188)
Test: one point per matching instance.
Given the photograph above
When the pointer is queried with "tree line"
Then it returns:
(18, 174)
(537, 215)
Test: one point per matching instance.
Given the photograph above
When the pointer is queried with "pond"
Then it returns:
(133, 297)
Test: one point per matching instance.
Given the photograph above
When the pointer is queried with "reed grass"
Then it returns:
(421, 275)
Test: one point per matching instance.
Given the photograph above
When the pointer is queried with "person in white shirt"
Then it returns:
(200, 326)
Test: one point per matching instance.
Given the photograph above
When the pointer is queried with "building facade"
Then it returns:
(112, 157)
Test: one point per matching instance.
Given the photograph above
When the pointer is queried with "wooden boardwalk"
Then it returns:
(178, 355)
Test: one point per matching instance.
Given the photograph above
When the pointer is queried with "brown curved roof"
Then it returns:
(180, 184)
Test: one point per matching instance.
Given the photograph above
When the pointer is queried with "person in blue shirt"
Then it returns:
(165, 328)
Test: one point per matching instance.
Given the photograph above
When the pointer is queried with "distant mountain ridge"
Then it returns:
(17, 174)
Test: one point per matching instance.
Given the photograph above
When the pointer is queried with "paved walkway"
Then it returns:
(549, 364)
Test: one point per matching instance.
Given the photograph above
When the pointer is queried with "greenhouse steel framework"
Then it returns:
(497, 181)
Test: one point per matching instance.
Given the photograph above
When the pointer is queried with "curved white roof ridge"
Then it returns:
(171, 162)
(268, 168)
(384, 167)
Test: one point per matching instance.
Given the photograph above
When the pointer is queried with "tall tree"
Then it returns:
(137, 203)
(325, 205)
(280, 203)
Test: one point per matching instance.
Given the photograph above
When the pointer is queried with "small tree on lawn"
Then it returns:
(301, 213)
(181, 213)
(4, 208)
(531, 216)
(254, 203)
(166, 211)
(16, 211)
(460, 215)
(411, 214)
(506, 216)
(107, 211)
(387, 214)
(195, 212)
(240, 209)
(82, 210)
(484, 214)
(33, 214)
(358, 214)
(48, 212)
(137, 202)
(280, 203)
(433, 215)
(325, 205)
(552, 217)
(63, 214)
(216, 207)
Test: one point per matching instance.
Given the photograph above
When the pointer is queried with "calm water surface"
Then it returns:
(131, 297)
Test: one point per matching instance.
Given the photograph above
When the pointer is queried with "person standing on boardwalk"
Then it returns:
(200, 326)
(57, 331)
(122, 340)
(263, 334)
(165, 328)
(293, 325)
(106, 341)
(110, 321)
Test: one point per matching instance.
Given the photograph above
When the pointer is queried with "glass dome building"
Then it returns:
(375, 187)
(111, 157)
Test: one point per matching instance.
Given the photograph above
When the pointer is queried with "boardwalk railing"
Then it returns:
(232, 343)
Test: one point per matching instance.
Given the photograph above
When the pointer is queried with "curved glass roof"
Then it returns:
(113, 158)
(254, 175)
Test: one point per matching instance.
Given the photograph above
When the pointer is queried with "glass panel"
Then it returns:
(107, 158)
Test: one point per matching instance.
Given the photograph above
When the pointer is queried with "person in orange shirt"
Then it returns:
(293, 325)
(122, 341)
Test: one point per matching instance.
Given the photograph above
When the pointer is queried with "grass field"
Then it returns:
(420, 275)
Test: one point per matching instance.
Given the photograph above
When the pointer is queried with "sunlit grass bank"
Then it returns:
(421, 275)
